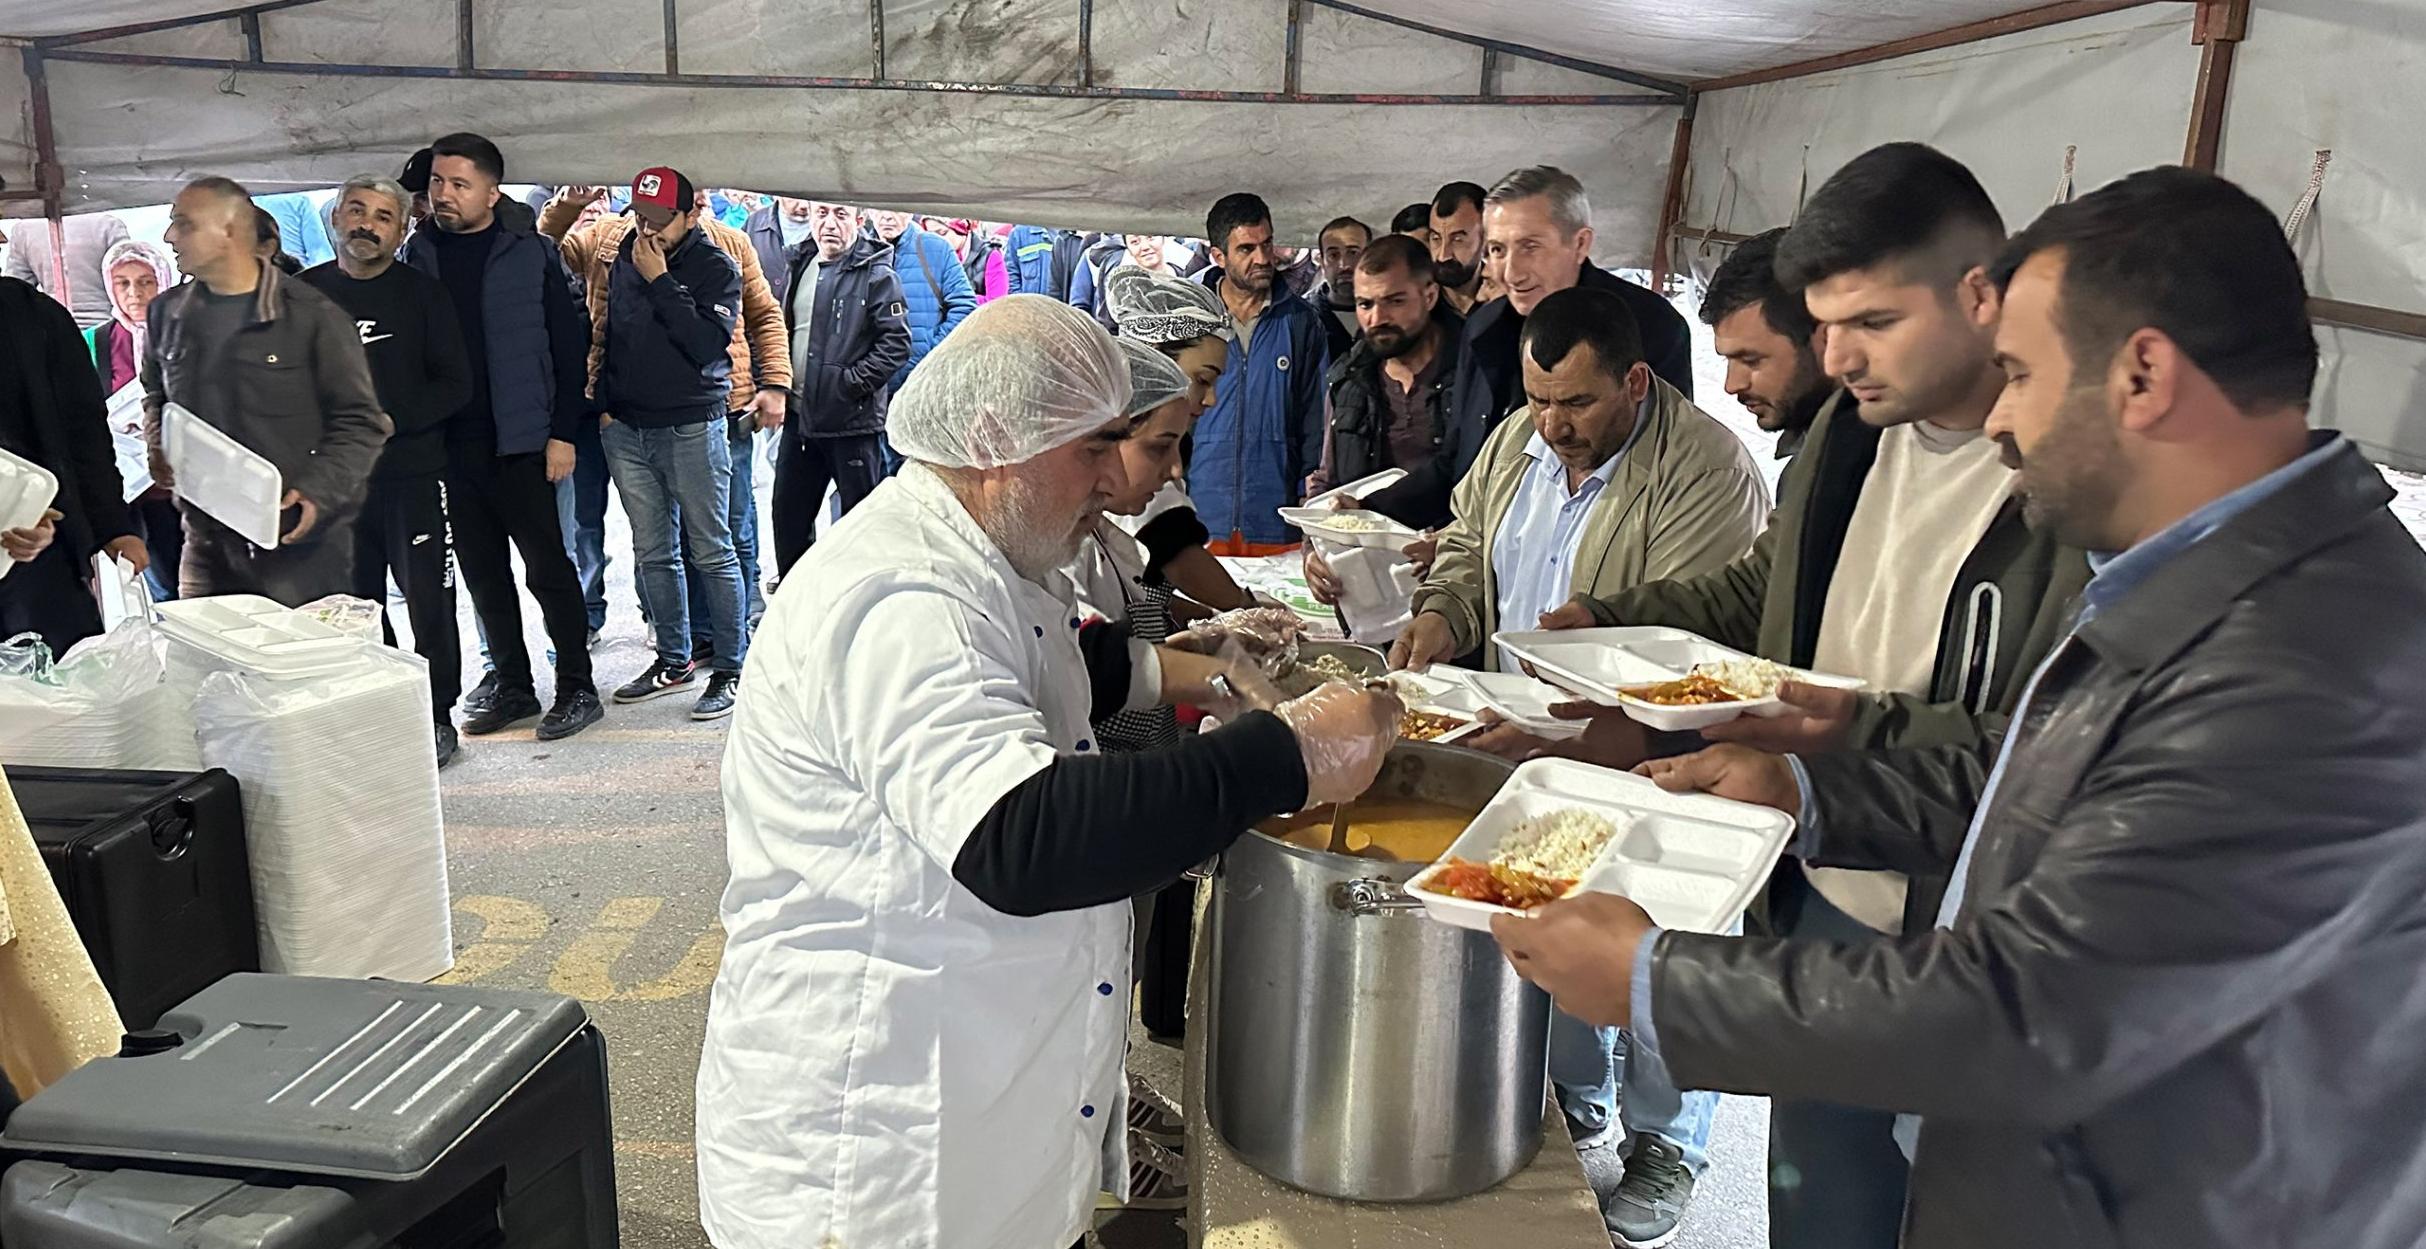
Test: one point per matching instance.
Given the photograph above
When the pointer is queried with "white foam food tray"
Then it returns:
(1601, 664)
(1691, 860)
(259, 634)
(1369, 528)
(26, 491)
(222, 476)
(1520, 700)
(1360, 487)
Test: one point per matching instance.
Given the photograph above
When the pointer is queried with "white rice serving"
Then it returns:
(1749, 677)
(1356, 522)
(1560, 845)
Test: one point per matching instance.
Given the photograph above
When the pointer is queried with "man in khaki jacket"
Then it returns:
(1608, 479)
(762, 355)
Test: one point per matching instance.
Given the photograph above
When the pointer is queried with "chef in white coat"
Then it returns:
(916, 1037)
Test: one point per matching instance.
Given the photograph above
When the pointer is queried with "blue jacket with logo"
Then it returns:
(935, 291)
(1264, 432)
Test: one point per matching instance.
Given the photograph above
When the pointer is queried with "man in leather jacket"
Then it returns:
(2172, 997)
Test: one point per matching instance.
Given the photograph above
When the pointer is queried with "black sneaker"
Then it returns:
(574, 711)
(717, 702)
(702, 650)
(447, 743)
(482, 694)
(661, 679)
(508, 708)
(1649, 1204)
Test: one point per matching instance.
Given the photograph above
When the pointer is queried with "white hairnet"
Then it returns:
(1157, 309)
(1154, 378)
(1023, 375)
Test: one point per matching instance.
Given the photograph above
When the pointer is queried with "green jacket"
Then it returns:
(2010, 604)
(1686, 499)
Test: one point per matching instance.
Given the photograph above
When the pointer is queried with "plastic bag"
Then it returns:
(358, 617)
(1376, 590)
(107, 704)
(341, 813)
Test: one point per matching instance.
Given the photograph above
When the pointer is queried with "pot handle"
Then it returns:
(1373, 897)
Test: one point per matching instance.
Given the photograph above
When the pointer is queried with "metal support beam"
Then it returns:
(1666, 86)
(1672, 204)
(808, 82)
(2219, 29)
(1709, 234)
(1953, 36)
(1291, 48)
(250, 24)
(50, 181)
(2369, 317)
(876, 37)
(1490, 82)
(673, 39)
(465, 55)
(1086, 43)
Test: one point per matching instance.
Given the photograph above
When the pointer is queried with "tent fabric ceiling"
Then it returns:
(1685, 39)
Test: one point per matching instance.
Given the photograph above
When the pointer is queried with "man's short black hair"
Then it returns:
(2192, 256)
(1392, 252)
(1456, 197)
(1413, 219)
(1342, 223)
(1749, 276)
(1895, 201)
(265, 226)
(464, 144)
(416, 175)
(1235, 211)
(1587, 315)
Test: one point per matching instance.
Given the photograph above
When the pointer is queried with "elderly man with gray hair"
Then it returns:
(917, 1033)
(422, 374)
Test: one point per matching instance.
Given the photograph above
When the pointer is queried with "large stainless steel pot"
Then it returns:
(1360, 1050)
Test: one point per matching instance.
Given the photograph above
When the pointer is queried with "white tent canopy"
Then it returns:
(1136, 114)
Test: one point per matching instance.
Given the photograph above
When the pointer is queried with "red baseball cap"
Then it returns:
(660, 194)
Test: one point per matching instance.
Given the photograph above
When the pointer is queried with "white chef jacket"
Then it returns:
(889, 1061)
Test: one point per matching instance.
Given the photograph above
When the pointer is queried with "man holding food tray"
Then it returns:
(1898, 556)
(2170, 999)
(917, 1033)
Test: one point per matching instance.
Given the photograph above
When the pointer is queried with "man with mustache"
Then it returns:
(1455, 232)
(1264, 432)
(420, 371)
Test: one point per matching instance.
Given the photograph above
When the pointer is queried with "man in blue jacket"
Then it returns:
(1264, 432)
(935, 291)
(673, 297)
(1043, 261)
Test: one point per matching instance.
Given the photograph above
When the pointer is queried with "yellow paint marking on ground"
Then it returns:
(680, 1151)
(693, 974)
(508, 927)
(586, 970)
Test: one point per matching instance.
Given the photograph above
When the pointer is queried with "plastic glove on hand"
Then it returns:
(1343, 733)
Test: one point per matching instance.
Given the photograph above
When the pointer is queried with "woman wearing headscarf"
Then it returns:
(137, 272)
(1187, 324)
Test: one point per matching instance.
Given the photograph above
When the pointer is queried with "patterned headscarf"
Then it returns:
(1160, 310)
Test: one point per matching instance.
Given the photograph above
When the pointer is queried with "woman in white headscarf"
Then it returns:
(136, 273)
(1187, 324)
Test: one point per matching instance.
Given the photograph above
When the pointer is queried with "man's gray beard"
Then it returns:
(1037, 544)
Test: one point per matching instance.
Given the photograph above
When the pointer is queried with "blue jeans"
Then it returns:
(581, 501)
(1836, 1175)
(741, 516)
(654, 471)
(1588, 1064)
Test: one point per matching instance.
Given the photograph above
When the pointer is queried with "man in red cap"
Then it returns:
(664, 375)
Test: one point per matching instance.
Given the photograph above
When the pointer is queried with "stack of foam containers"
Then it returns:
(107, 704)
(328, 735)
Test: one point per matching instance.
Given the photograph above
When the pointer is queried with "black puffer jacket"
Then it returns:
(67, 429)
(1360, 415)
(2179, 1006)
(859, 335)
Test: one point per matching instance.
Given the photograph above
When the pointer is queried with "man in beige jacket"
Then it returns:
(1608, 479)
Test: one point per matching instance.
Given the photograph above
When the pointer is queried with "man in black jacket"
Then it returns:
(513, 442)
(1390, 392)
(1537, 224)
(51, 413)
(408, 329)
(277, 366)
(850, 332)
(2170, 996)
(664, 374)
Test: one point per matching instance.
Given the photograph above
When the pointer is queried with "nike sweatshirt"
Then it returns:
(418, 365)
